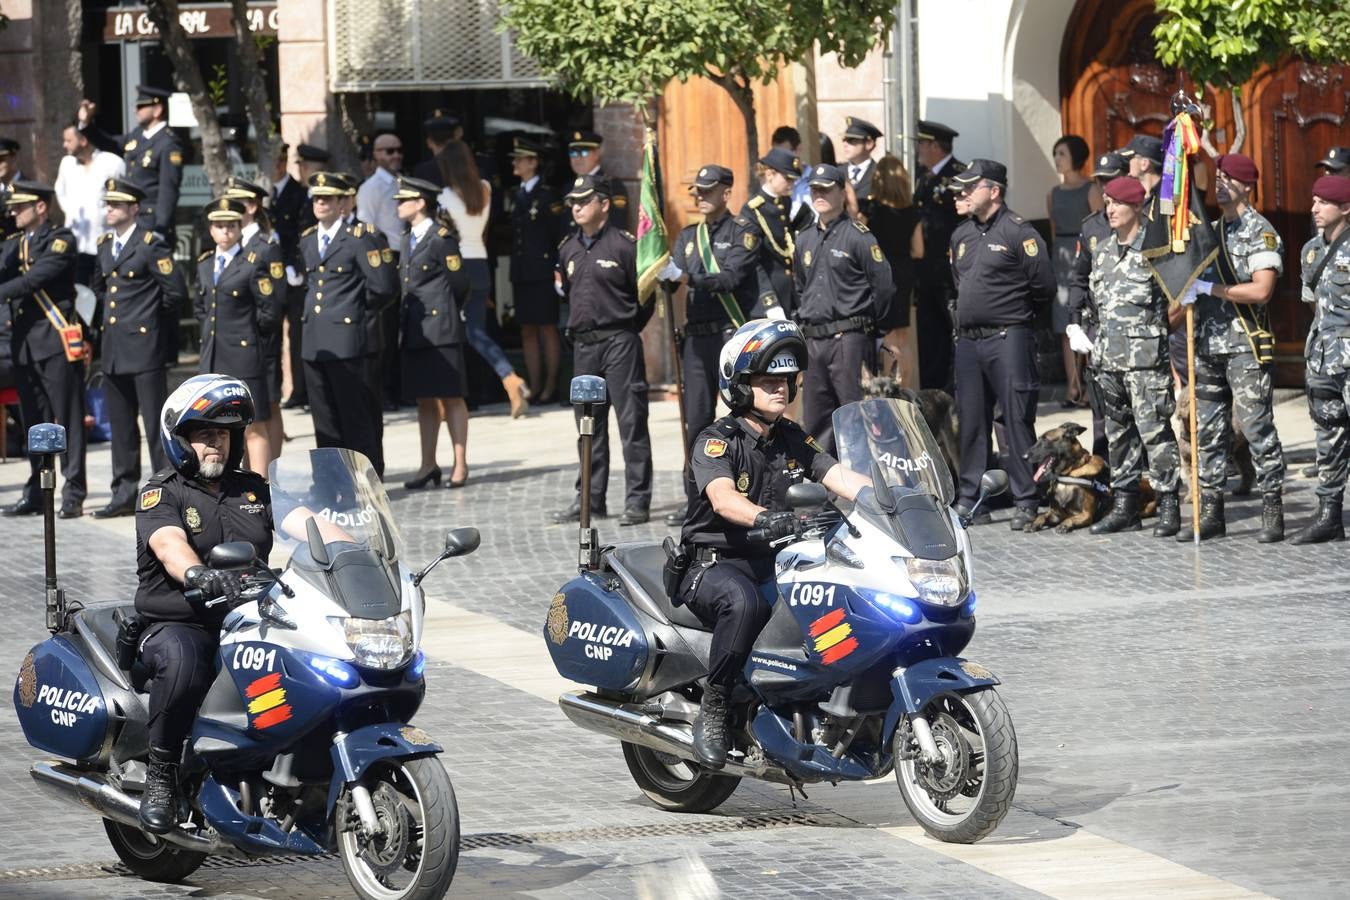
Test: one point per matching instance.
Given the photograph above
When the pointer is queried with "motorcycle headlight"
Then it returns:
(380, 643)
(941, 582)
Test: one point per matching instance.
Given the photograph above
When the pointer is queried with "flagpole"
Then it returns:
(1195, 434)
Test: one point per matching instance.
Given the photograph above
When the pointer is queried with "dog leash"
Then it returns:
(1083, 482)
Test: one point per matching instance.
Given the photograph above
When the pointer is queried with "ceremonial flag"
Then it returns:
(652, 246)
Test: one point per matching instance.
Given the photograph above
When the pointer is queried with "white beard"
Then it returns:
(211, 471)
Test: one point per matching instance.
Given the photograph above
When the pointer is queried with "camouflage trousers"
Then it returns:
(1328, 400)
(1138, 412)
(1240, 382)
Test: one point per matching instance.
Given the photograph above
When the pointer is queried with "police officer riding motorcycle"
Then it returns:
(743, 465)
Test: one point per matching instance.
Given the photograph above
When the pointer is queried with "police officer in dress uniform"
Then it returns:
(598, 263)
(933, 282)
(9, 173)
(769, 214)
(1325, 261)
(1132, 376)
(1234, 353)
(37, 282)
(203, 498)
(717, 256)
(348, 282)
(153, 154)
(310, 160)
(585, 152)
(140, 291)
(289, 204)
(1082, 329)
(743, 465)
(860, 139)
(1001, 270)
(844, 287)
(536, 228)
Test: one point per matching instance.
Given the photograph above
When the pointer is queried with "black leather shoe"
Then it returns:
(573, 513)
(294, 403)
(635, 516)
(24, 507)
(710, 730)
(676, 518)
(70, 511)
(115, 510)
(159, 803)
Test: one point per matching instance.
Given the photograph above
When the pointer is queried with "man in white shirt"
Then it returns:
(375, 202)
(79, 189)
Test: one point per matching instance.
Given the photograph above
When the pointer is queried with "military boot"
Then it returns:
(1212, 522)
(1124, 514)
(710, 731)
(1272, 518)
(159, 803)
(1169, 515)
(1327, 526)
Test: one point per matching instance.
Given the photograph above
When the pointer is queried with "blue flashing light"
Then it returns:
(334, 671)
(418, 666)
(969, 608)
(901, 608)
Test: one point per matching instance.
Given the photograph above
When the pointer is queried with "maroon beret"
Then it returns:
(1125, 190)
(1332, 188)
(1240, 167)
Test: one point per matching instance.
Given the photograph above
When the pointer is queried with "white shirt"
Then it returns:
(154, 129)
(942, 162)
(471, 228)
(330, 233)
(529, 185)
(120, 241)
(226, 255)
(79, 190)
(375, 204)
(247, 232)
(420, 230)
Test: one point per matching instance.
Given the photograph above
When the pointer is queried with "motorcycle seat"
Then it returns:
(640, 566)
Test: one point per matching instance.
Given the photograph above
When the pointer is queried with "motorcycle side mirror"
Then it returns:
(806, 495)
(46, 438)
(458, 542)
(993, 483)
(232, 555)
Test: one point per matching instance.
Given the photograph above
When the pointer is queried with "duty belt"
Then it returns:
(704, 329)
(594, 335)
(842, 326)
(982, 331)
(707, 554)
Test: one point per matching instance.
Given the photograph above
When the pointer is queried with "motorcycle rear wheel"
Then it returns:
(967, 798)
(150, 857)
(415, 856)
(677, 784)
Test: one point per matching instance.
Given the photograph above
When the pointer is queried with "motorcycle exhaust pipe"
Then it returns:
(67, 783)
(617, 720)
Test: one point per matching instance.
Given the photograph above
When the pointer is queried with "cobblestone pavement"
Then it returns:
(1184, 707)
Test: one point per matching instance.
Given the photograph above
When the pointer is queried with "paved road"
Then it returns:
(1181, 718)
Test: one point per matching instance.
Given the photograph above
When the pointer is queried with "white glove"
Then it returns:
(1197, 288)
(671, 272)
(294, 278)
(775, 312)
(1078, 339)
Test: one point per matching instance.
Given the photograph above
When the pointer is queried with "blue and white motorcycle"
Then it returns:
(302, 745)
(857, 672)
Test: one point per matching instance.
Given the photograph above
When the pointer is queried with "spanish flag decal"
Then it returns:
(267, 701)
(833, 637)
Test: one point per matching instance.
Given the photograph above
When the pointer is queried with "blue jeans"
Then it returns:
(475, 318)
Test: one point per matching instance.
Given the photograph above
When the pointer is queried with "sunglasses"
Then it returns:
(390, 150)
(855, 140)
(580, 151)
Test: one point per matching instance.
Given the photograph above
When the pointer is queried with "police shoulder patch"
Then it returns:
(714, 447)
(453, 262)
(756, 201)
(265, 286)
(276, 269)
(165, 266)
(876, 253)
(59, 245)
(1270, 239)
(748, 240)
(1030, 247)
(387, 255)
(150, 498)
(373, 257)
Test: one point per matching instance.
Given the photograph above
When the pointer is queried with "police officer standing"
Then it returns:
(598, 263)
(1326, 284)
(933, 285)
(153, 155)
(288, 202)
(769, 214)
(1234, 350)
(1130, 356)
(585, 154)
(536, 227)
(1001, 270)
(844, 287)
(37, 280)
(140, 291)
(860, 139)
(717, 256)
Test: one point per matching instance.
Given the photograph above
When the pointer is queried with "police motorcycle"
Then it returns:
(302, 745)
(857, 672)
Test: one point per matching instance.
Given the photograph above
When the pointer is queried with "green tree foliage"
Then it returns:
(622, 51)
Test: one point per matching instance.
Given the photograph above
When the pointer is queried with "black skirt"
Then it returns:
(262, 397)
(536, 302)
(434, 372)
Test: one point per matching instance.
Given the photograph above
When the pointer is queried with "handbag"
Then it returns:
(72, 335)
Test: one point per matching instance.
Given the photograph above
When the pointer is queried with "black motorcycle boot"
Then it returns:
(710, 731)
(1327, 525)
(1272, 518)
(159, 803)
(1212, 521)
(1124, 514)
(1169, 514)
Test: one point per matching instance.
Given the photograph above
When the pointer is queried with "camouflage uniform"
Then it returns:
(1130, 356)
(1328, 353)
(1226, 369)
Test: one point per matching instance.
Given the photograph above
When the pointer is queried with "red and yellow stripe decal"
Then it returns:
(833, 637)
(267, 701)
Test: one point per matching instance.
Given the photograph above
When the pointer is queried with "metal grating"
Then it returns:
(423, 45)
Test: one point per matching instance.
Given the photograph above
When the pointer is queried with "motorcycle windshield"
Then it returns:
(893, 435)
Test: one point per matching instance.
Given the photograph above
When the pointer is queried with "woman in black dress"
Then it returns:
(894, 220)
(435, 289)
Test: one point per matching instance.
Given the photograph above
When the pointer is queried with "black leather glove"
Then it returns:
(213, 583)
(775, 525)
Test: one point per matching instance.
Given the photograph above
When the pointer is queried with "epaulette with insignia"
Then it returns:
(105, 236)
(560, 243)
(443, 231)
(631, 237)
(14, 236)
(755, 202)
(858, 225)
(149, 237)
(742, 221)
(205, 256)
(310, 230)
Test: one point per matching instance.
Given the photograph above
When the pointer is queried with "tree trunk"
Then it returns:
(743, 95)
(354, 117)
(254, 89)
(1239, 123)
(57, 54)
(178, 48)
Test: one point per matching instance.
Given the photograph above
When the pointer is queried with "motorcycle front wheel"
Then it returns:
(150, 857)
(676, 784)
(415, 854)
(965, 795)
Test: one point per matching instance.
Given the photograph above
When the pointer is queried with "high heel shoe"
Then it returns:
(459, 484)
(432, 477)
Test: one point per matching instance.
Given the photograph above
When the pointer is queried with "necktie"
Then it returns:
(412, 242)
(220, 267)
(117, 249)
(323, 245)
(854, 172)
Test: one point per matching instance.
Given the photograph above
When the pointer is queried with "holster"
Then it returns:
(677, 565)
(130, 627)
